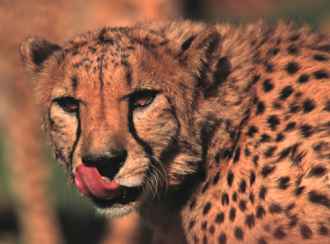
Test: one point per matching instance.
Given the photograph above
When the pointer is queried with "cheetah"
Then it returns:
(214, 133)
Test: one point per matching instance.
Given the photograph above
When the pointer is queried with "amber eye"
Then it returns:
(68, 104)
(141, 99)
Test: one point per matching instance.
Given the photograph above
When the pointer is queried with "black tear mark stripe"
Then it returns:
(131, 128)
(146, 147)
(74, 146)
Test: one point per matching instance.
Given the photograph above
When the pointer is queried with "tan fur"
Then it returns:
(234, 146)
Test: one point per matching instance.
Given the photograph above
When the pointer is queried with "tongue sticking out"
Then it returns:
(91, 183)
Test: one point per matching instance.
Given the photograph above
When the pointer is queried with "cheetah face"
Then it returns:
(119, 116)
(121, 157)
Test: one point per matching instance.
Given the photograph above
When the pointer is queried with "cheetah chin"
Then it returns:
(117, 210)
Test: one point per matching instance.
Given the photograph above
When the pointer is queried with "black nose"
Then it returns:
(108, 164)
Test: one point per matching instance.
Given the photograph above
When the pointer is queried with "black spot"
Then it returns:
(255, 159)
(269, 67)
(251, 197)
(323, 230)
(265, 138)
(273, 51)
(224, 199)
(204, 225)
(260, 108)
(212, 229)
(223, 154)
(242, 186)
(74, 82)
(279, 233)
(327, 106)
(239, 234)
(293, 49)
(317, 171)
(260, 213)
(275, 208)
(277, 105)
(191, 224)
(249, 220)
(192, 204)
(273, 122)
(305, 231)
(303, 78)
(230, 178)
(306, 130)
(196, 239)
(321, 74)
(290, 206)
(320, 57)
(294, 108)
(319, 198)
(292, 67)
(220, 218)
(237, 154)
(290, 126)
(205, 240)
(242, 205)
(92, 49)
(234, 196)
(270, 151)
(232, 214)
(216, 178)
(262, 241)
(207, 208)
(283, 182)
(294, 37)
(186, 44)
(247, 152)
(267, 170)
(308, 105)
(323, 48)
(102, 38)
(222, 238)
(252, 177)
(293, 220)
(267, 85)
(285, 92)
(252, 131)
(279, 137)
(299, 190)
(262, 192)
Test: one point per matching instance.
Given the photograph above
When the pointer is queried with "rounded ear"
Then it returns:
(35, 51)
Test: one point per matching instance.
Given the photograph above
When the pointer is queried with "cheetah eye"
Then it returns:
(68, 104)
(142, 98)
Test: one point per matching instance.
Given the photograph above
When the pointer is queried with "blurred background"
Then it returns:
(37, 205)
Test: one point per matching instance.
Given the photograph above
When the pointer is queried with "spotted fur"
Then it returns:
(233, 148)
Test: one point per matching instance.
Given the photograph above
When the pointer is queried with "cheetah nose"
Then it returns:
(108, 164)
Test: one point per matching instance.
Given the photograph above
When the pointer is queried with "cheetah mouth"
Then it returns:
(103, 192)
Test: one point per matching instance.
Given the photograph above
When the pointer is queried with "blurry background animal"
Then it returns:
(27, 169)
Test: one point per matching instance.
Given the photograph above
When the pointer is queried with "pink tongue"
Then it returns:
(90, 183)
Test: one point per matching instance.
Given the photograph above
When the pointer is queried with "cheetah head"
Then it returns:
(119, 108)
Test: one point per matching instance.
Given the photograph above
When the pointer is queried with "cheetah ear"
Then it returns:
(198, 48)
(35, 51)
